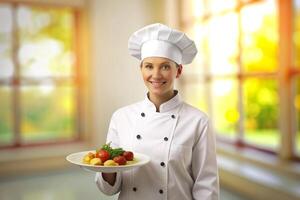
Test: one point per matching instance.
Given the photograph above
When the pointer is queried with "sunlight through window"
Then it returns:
(38, 89)
(296, 62)
(237, 67)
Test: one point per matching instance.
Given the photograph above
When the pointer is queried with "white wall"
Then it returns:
(116, 79)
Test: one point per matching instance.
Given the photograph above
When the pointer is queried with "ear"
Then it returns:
(179, 71)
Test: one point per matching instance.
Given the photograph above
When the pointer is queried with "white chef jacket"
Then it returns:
(181, 147)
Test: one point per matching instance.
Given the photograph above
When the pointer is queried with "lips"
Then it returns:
(157, 84)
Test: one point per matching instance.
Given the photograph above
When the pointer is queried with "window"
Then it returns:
(39, 73)
(296, 66)
(238, 71)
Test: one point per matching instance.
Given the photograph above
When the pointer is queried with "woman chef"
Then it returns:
(175, 135)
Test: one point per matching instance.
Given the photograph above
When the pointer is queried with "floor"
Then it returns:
(72, 184)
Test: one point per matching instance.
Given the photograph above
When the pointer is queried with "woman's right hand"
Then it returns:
(110, 178)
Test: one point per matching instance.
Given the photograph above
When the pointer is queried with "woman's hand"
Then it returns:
(110, 178)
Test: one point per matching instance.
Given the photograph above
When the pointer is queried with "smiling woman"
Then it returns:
(159, 75)
(39, 74)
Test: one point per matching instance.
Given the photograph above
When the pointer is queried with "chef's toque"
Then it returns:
(158, 40)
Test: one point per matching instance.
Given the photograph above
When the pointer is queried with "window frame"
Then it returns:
(80, 79)
(286, 72)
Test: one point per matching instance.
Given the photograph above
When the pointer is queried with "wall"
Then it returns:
(116, 79)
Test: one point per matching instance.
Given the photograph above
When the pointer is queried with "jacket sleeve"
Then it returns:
(104, 186)
(204, 165)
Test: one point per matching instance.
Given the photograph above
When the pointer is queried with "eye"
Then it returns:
(166, 67)
(148, 66)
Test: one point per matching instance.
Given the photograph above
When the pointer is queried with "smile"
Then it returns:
(157, 83)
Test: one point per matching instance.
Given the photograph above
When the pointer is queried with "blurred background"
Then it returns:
(65, 68)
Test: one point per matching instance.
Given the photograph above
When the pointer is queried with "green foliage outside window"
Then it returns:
(239, 54)
(45, 94)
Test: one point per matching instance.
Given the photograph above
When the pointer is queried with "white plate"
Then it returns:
(76, 158)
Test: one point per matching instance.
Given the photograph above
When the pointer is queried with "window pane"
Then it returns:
(45, 42)
(216, 6)
(297, 64)
(297, 33)
(6, 64)
(261, 112)
(6, 125)
(223, 47)
(192, 9)
(47, 112)
(224, 107)
(196, 94)
(199, 65)
(260, 37)
(297, 107)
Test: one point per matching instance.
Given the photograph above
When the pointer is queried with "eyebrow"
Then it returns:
(166, 62)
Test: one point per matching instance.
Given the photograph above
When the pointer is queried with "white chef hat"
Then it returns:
(162, 41)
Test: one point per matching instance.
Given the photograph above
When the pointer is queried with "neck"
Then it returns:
(158, 100)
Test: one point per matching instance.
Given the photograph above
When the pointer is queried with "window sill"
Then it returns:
(21, 161)
(258, 175)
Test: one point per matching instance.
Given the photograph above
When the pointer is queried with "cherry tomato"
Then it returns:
(103, 155)
(120, 160)
(128, 155)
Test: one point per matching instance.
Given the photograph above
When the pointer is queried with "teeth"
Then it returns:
(157, 84)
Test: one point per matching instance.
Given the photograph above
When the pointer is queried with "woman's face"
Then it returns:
(159, 75)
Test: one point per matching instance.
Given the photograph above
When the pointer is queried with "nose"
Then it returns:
(156, 73)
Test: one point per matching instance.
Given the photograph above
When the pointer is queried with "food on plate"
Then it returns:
(103, 155)
(110, 163)
(120, 160)
(108, 156)
(128, 155)
(96, 161)
(87, 158)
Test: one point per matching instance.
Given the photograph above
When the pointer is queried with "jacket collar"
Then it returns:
(166, 106)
